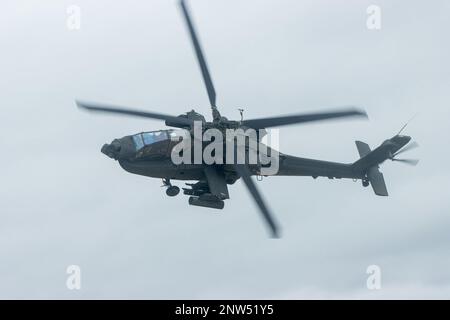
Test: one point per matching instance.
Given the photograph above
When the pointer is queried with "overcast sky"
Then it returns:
(62, 202)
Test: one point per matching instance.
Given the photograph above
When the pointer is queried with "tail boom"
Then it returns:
(365, 168)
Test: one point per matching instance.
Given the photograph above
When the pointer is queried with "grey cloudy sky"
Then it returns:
(64, 203)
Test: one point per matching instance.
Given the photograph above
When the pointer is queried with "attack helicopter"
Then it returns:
(150, 153)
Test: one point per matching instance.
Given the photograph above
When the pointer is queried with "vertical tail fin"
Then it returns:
(363, 148)
(373, 174)
(377, 181)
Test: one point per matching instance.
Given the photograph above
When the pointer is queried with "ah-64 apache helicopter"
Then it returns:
(149, 153)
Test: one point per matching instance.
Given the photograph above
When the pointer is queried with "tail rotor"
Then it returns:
(408, 147)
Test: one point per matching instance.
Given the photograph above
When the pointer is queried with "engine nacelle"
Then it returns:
(191, 115)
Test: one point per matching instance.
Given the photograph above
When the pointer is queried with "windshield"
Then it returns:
(146, 138)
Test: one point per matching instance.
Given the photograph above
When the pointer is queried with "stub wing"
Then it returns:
(216, 182)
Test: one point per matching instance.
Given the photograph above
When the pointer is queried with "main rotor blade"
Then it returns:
(244, 172)
(410, 146)
(200, 57)
(302, 118)
(411, 162)
(119, 110)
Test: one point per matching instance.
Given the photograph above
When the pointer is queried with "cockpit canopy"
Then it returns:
(144, 139)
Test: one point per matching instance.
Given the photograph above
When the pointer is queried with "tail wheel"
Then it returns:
(365, 182)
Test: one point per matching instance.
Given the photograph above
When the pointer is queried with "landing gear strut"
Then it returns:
(171, 190)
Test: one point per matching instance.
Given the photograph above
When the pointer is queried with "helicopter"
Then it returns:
(150, 153)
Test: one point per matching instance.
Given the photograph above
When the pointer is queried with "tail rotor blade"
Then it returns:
(410, 146)
(411, 162)
(245, 174)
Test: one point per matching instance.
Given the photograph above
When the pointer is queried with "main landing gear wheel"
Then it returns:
(172, 191)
